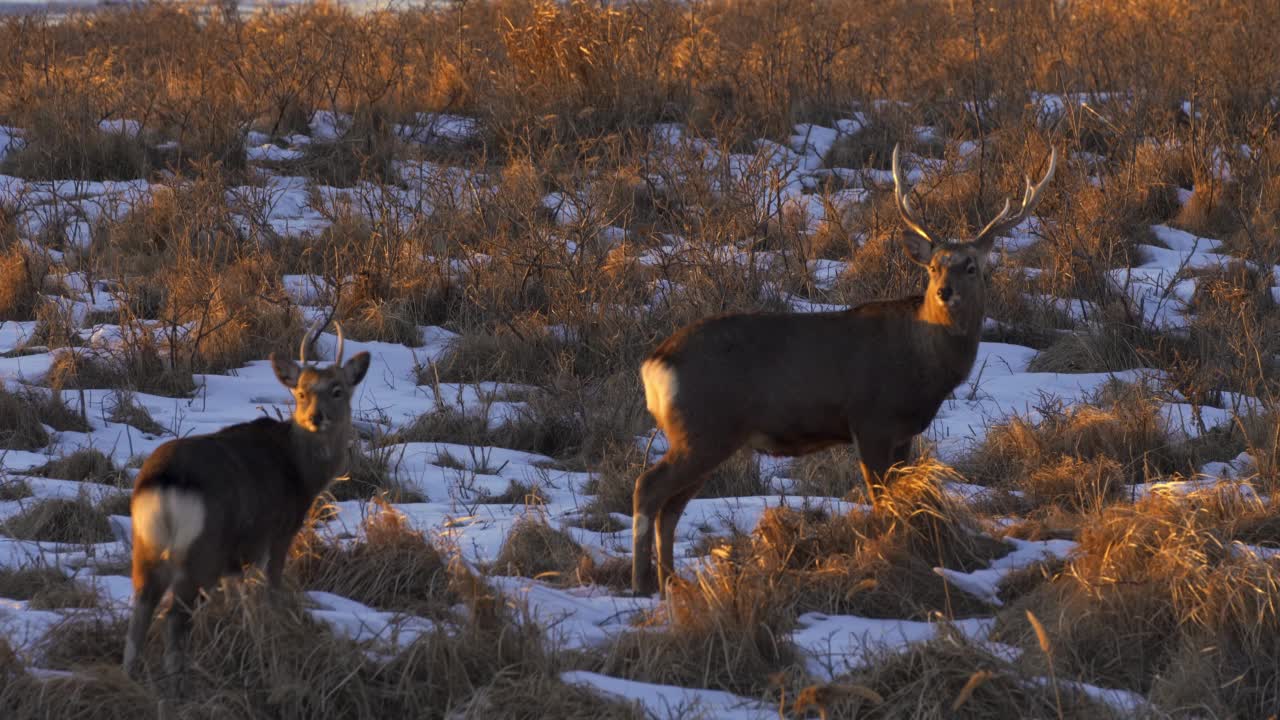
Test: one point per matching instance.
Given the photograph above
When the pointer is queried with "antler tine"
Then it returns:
(306, 340)
(337, 359)
(1031, 197)
(900, 199)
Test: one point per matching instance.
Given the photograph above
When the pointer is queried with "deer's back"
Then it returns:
(797, 381)
(245, 475)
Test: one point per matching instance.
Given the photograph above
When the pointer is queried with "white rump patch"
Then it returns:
(169, 520)
(660, 386)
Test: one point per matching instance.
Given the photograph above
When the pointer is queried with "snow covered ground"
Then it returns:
(999, 386)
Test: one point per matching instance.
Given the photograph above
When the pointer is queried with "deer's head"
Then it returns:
(956, 287)
(322, 395)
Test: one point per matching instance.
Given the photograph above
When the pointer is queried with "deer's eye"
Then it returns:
(971, 268)
(337, 392)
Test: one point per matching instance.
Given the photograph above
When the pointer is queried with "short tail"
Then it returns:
(168, 520)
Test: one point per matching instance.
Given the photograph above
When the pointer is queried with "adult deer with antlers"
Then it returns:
(793, 383)
(206, 506)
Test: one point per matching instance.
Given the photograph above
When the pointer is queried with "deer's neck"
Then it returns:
(950, 334)
(320, 456)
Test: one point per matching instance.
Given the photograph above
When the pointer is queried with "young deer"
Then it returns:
(206, 506)
(790, 384)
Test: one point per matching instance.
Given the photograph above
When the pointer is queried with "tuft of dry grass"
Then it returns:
(20, 426)
(1147, 583)
(45, 588)
(23, 415)
(533, 548)
(613, 479)
(1084, 455)
(63, 141)
(86, 465)
(14, 488)
(367, 150)
(739, 476)
(391, 567)
(947, 677)
(21, 280)
(125, 409)
(725, 630)
(82, 640)
(371, 475)
(60, 520)
(876, 563)
(137, 367)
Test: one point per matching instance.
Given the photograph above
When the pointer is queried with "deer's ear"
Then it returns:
(918, 249)
(984, 243)
(287, 371)
(355, 368)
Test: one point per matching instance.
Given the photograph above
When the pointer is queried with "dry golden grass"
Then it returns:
(724, 630)
(255, 656)
(1084, 455)
(948, 677)
(535, 549)
(392, 566)
(1150, 581)
(878, 563)
(21, 280)
(564, 96)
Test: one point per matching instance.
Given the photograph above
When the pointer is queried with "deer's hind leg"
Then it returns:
(668, 518)
(151, 577)
(646, 502)
(678, 474)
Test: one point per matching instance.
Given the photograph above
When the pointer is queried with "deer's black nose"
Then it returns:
(944, 293)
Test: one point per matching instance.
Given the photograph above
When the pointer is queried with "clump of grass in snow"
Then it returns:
(126, 409)
(613, 481)
(739, 476)
(725, 630)
(45, 588)
(60, 520)
(878, 563)
(534, 549)
(20, 426)
(1148, 583)
(83, 640)
(138, 367)
(947, 677)
(86, 465)
(21, 280)
(829, 473)
(1085, 454)
(372, 475)
(391, 567)
(14, 488)
(23, 415)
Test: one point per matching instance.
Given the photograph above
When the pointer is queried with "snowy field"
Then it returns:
(451, 510)
(507, 204)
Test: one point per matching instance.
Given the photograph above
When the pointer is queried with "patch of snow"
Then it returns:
(665, 702)
(839, 644)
